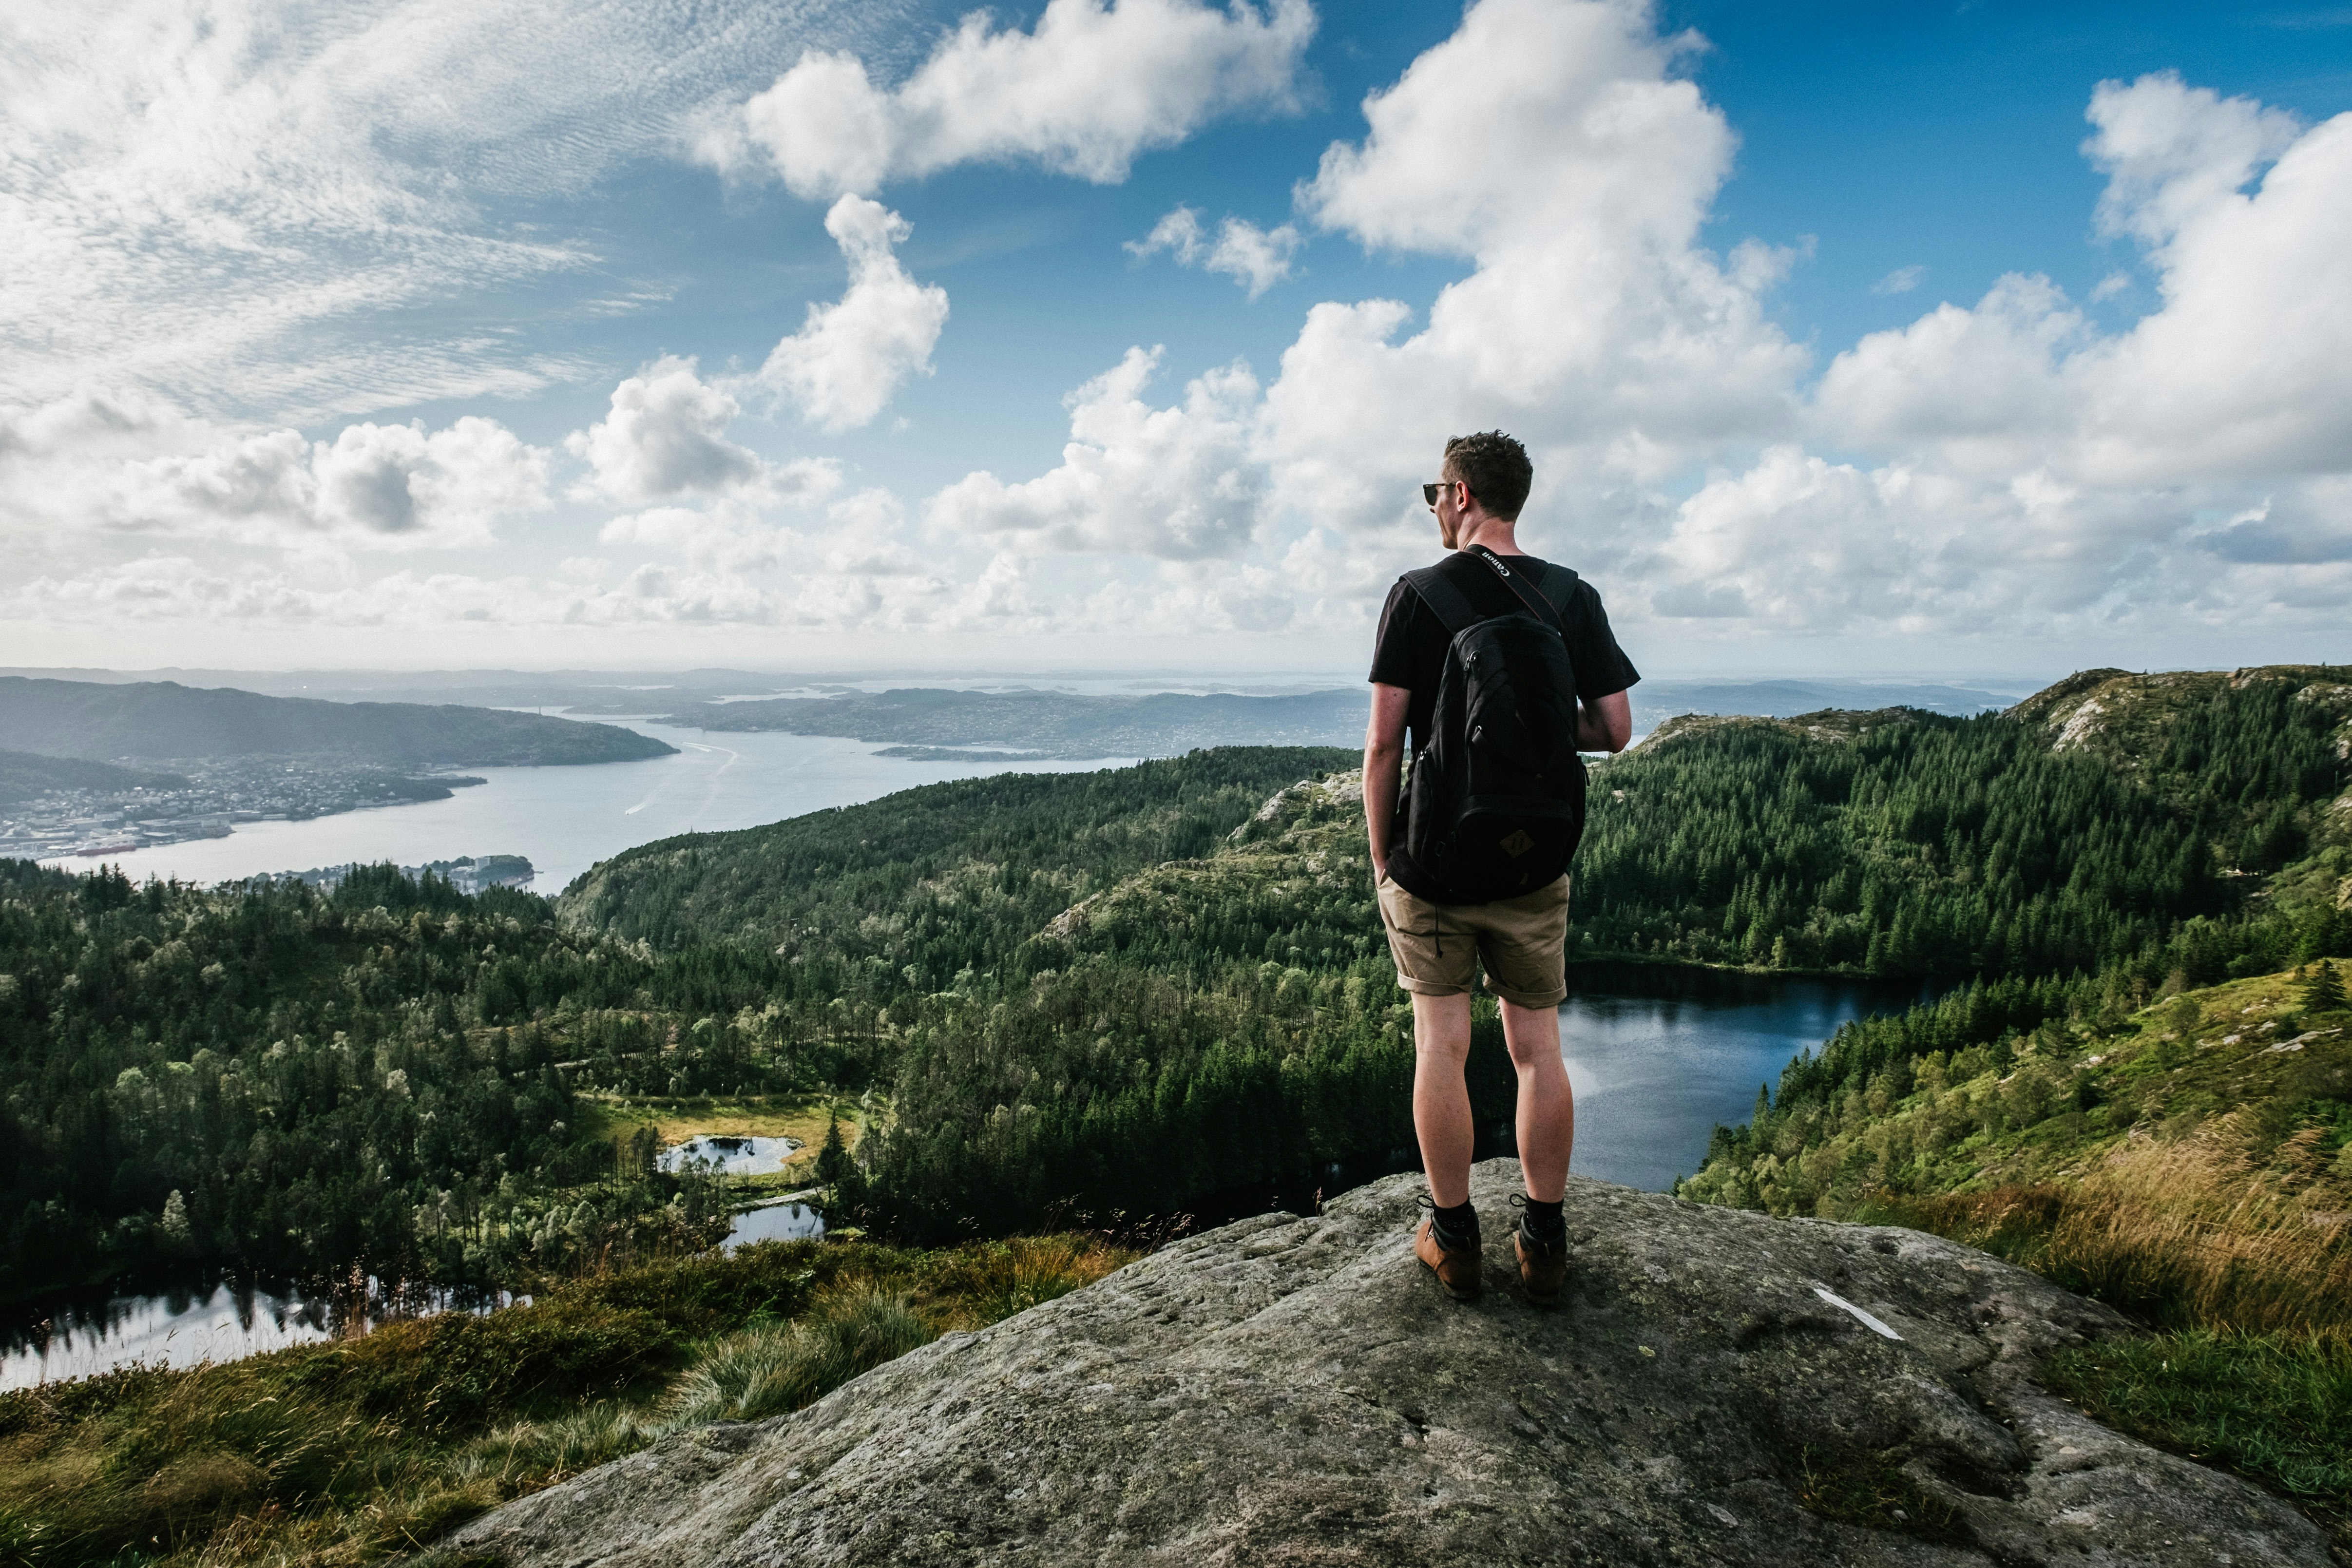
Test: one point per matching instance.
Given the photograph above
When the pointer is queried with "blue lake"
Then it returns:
(1658, 1057)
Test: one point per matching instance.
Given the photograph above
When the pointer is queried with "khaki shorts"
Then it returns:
(1522, 942)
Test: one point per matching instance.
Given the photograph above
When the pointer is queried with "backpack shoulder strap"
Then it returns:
(1552, 615)
(1445, 600)
(1558, 587)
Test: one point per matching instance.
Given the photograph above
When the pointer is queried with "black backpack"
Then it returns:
(1495, 808)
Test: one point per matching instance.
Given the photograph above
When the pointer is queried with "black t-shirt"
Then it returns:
(1410, 651)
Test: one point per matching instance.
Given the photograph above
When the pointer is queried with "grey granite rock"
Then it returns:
(1299, 1391)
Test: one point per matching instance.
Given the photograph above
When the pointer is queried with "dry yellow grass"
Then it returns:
(2186, 1231)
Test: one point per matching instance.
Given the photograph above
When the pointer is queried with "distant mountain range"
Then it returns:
(1050, 723)
(1656, 701)
(163, 719)
(109, 717)
(922, 721)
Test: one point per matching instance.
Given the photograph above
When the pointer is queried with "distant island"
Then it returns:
(228, 756)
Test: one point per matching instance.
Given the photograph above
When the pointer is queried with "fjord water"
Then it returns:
(566, 819)
(1658, 1056)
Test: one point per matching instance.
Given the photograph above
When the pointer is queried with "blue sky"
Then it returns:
(1864, 337)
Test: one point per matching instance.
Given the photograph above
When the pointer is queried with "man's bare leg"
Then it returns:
(1441, 1095)
(1546, 1105)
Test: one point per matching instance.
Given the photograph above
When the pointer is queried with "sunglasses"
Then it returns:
(1429, 492)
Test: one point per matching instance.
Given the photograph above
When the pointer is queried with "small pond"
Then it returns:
(213, 1315)
(731, 1156)
(216, 1316)
(785, 1221)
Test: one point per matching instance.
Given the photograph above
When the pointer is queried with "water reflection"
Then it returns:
(208, 1317)
(773, 1222)
(731, 1156)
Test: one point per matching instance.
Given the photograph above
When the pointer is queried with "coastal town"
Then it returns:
(205, 799)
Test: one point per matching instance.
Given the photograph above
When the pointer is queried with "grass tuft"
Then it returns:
(1866, 1487)
(781, 1367)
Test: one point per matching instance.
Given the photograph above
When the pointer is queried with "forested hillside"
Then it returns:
(26, 776)
(1909, 843)
(1224, 1012)
(935, 879)
(1046, 1054)
(369, 1075)
(2256, 763)
(1098, 992)
(2237, 861)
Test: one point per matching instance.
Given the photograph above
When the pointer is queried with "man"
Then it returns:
(1520, 942)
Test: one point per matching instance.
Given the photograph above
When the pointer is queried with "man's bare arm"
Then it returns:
(1604, 725)
(1383, 766)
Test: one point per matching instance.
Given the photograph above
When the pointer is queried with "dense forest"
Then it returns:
(1086, 993)
(297, 1080)
(2045, 879)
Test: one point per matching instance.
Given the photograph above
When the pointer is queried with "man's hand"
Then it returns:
(1383, 766)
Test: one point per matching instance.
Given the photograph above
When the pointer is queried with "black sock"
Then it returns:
(1542, 1222)
(1458, 1224)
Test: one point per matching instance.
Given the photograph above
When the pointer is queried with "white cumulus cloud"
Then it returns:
(1092, 85)
(842, 367)
(665, 437)
(1555, 146)
(1177, 483)
(373, 487)
(1257, 258)
(2244, 370)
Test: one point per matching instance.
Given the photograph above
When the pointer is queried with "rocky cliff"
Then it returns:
(1716, 1387)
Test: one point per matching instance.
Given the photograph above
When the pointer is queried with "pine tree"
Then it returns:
(2324, 992)
(833, 1159)
(173, 1229)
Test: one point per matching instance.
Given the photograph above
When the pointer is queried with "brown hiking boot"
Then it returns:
(1458, 1271)
(1543, 1270)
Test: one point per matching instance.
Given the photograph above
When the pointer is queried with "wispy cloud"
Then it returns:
(2331, 17)
(1257, 258)
(243, 204)
(1902, 280)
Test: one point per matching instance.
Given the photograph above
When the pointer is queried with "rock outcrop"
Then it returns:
(1715, 1387)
